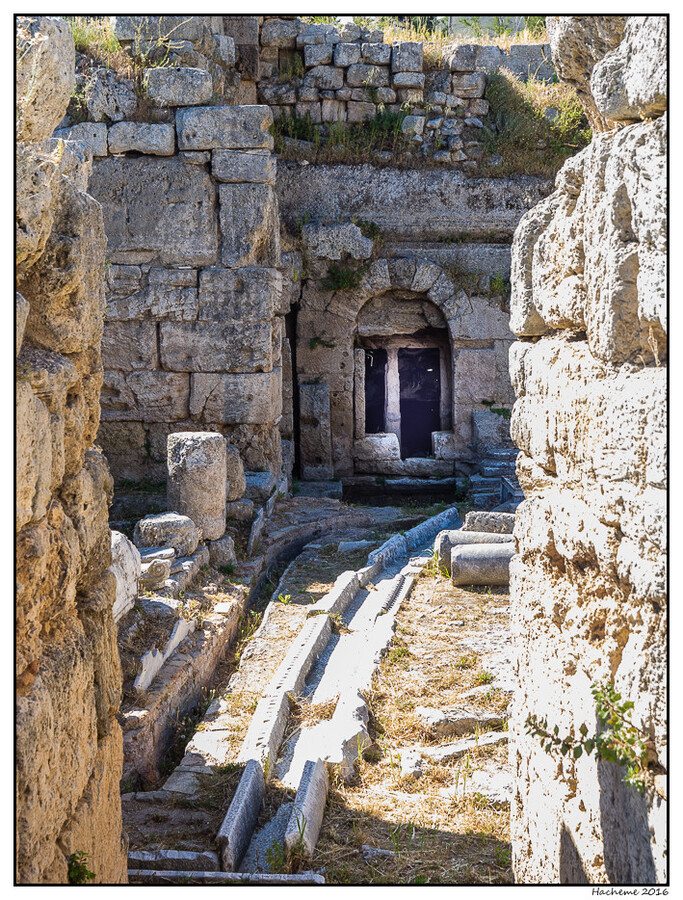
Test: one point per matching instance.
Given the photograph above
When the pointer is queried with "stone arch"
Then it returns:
(326, 365)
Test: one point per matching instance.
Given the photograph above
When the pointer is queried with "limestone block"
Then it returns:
(464, 58)
(481, 563)
(326, 78)
(233, 399)
(170, 294)
(361, 75)
(455, 721)
(157, 140)
(310, 110)
(243, 29)
(577, 44)
(34, 204)
(179, 229)
(447, 540)
(376, 54)
(92, 135)
(130, 345)
(346, 54)
(204, 345)
(318, 55)
(494, 522)
(377, 447)
(360, 112)
(240, 510)
(336, 241)
(145, 396)
(314, 419)
(248, 295)
(225, 127)
(256, 166)
(222, 552)
(408, 80)
(177, 28)
(153, 660)
(472, 85)
(154, 573)
(235, 472)
(249, 225)
(406, 56)
(33, 456)
(125, 564)
(629, 83)
(279, 33)
(333, 111)
(489, 429)
(317, 34)
(444, 445)
(277, 94)
(168, 530)
(413, 125)
(197, 479)
(108, 97)
(225, 50)
(45, 65)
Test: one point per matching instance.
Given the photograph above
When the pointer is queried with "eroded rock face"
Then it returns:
(588, 586)
(69, 748)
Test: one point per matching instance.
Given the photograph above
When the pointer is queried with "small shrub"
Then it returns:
(498, 286)
(343, 277)
(484, 678)
(78, 872)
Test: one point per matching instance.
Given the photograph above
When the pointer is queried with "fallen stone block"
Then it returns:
(309, 807)
(259, 485)
(239, 510)
(153, 660)
(222, 552)
(197, 479)
(482, 563)
(447, 540)
(190, 860)
(125, 564)
(457, 749)
(167, 529)
(238, 825)
(154, 573)
(501, 523)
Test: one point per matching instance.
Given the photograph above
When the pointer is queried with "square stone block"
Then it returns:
(249, 224)
(224, 127)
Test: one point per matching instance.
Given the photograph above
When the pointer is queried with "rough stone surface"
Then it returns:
(482, 563)
(178, 86)
(222, 552)
(125, 564)
(249, 226)
(44, 75)
(157, 140)
(197, 480)
(237, 482)
(168, 530)
(108, 96)
(588, 586)
(577, 43)
(253, 166)
(225, 127)
(180, 229)
(68, 750)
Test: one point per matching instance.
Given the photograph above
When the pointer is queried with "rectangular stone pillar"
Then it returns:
(359, 393)
(393, 408)
(315, 432)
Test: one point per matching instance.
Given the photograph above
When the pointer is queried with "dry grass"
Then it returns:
(437, 835)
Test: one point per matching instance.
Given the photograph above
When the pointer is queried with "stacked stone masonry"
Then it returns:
(588, 586)
(68, 675)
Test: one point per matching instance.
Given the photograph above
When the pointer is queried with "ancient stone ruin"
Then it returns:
(309, 337)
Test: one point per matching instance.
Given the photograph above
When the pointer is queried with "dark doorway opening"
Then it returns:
(375, 390)
(419, 373)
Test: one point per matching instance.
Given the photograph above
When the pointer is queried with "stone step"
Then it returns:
(174, 860)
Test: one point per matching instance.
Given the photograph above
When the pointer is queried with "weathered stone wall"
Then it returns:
(68, 742)
(193, 334)
(588, 584)
(442, 265)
